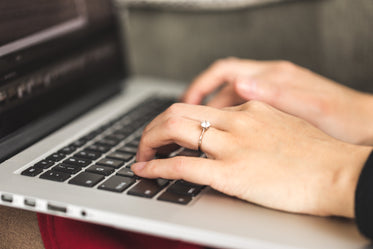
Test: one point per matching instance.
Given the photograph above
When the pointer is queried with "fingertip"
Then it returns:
(246, 87)
(137, 168)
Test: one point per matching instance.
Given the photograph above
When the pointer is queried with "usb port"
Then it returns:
(56, 208)
(30, 202)
(7, 198)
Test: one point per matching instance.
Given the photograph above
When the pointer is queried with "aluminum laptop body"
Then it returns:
(62, 76)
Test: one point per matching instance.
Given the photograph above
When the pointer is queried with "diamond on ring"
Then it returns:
(204, 125)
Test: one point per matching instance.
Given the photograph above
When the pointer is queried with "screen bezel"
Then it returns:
(34, 131)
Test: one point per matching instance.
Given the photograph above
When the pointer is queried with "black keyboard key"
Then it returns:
(78, 162)
(106, 126)
(148, 187)
(86, 179)
(110, 162)
(32, 171)
(185, 188)
(79, 143)
(56, 157)
(91, 155)
(55, 176)
(98, 148)
(44, 164)
(120, 156)
(101, 170)
(132, 144)
(107, 142)
(91, 135)
(67, 150)
(126, 172)
(136, 124)
(127, 149)
(116, 137)
(66, 168)
(137, 139)
(135, 142)
(174, 198)
(124, 131)
(117, 184)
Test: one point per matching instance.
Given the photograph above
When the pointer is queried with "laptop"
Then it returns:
(70, 123)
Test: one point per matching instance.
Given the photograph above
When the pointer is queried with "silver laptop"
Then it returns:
(70, 123)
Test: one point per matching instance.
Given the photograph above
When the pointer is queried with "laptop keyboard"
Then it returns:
(102, 159)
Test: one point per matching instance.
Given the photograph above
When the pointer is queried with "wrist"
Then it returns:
(365, 110)
(345, 180)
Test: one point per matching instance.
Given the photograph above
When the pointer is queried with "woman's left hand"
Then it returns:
(259, 154)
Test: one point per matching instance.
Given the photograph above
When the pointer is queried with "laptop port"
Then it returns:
(7, 198)
(56, 208)
(30, 202)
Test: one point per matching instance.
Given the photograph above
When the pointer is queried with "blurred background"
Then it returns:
(177, 39)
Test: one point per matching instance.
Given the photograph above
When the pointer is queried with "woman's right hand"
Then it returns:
(341, 112)
(256, 153)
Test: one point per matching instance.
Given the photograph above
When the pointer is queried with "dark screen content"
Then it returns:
(59, 50)
(32, 18)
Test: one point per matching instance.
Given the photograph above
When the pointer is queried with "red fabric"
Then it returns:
(61, 233)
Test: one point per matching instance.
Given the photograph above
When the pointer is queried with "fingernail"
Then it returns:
(138, 166)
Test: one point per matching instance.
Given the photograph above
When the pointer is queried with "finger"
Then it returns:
(184, 132)
(222, 71)
(287, 97)
(226, 97)
(195, 112)
(192, 169)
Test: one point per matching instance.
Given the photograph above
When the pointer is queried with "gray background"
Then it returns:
(331, 37)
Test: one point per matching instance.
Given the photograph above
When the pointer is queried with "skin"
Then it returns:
(304, 172)
(277, 155)
(339, 111)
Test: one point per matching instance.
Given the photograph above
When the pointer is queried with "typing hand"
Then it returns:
(256, 153)
(337, 110)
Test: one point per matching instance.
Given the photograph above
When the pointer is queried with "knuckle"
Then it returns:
(253, 105)
(179, 165)
(222, 63)
(240, 120)
(246, 106)
(322, 106)
(151, 168)
(219, 182)
(174, 109)
(284, 66)
(145, 141)
(172, 123)
(257, 105)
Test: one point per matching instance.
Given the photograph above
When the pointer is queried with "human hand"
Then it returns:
(259, 154)
(337, 110)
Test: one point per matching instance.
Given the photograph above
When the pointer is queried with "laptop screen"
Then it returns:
(51, 53)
